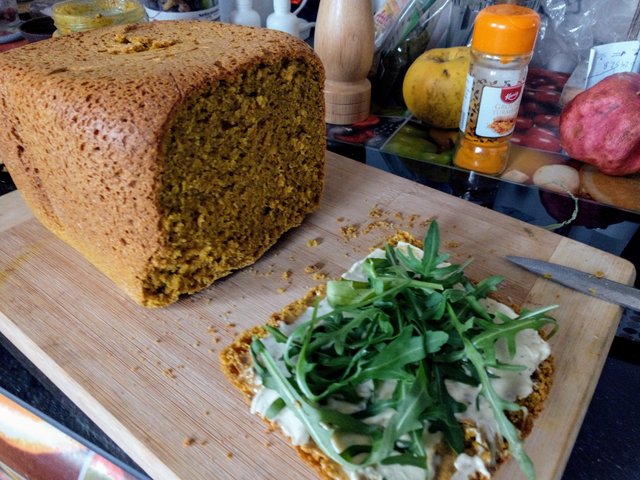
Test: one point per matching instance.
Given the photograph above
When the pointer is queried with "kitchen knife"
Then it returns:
(588, 283)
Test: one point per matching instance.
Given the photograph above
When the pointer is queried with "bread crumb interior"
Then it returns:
(232, 179)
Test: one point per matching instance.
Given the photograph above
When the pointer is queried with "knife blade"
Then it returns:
(584, 282)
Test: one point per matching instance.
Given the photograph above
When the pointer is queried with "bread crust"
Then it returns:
(236, 362)
(85, 116)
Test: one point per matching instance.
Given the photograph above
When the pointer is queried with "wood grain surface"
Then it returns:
(151, 378)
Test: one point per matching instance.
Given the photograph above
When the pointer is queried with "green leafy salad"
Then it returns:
(368, 370)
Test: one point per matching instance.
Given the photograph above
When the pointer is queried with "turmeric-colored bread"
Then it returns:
(168, 153)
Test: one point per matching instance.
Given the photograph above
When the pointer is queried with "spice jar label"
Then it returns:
(498, 111)
(491, 102)
(466, 102)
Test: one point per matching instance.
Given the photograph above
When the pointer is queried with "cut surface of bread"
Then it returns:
(167, 153)
(483, 446)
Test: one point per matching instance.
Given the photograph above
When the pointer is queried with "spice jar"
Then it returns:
(80, 15)
(503, 39)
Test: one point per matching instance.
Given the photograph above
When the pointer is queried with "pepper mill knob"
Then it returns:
(344, 41)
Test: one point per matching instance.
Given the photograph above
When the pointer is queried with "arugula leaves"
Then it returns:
(414, 322)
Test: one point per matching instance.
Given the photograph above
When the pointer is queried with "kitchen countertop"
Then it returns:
(609, 441)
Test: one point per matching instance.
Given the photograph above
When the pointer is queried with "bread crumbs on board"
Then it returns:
(188, 441)
(377, 212)
(413, 218)
(313, 268)
(384, 224)
(350, 231)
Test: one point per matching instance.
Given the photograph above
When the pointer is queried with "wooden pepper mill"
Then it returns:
(344, 41)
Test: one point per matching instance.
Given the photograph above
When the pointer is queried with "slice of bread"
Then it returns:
(236, 361)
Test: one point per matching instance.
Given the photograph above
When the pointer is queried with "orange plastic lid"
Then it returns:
(505, 29)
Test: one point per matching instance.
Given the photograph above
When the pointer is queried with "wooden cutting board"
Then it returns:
(151, 378)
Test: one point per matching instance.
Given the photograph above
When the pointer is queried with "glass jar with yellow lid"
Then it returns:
(79, 15)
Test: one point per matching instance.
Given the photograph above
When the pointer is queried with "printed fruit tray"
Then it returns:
(536, 156)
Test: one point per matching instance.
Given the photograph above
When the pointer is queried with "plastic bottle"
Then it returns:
(503, 39)
(283, 19)
(244, 14)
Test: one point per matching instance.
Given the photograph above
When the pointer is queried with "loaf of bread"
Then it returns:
(482, 454)
(168, 153)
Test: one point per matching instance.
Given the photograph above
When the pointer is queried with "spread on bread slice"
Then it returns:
(403, 368)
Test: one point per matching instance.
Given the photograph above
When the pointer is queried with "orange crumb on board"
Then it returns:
(376, 212)
(378, 224)
(412, 219)
(188, 441)
(350, 231)
(312, 268)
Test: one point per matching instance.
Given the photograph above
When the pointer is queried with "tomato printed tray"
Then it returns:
(536, 156)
